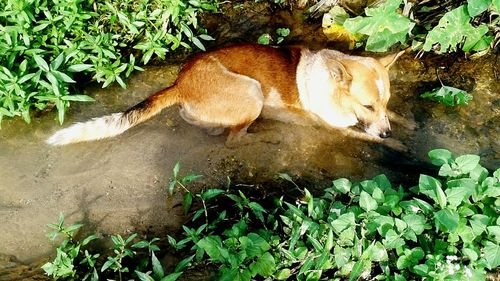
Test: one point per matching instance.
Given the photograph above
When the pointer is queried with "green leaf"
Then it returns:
(342, 185)
(342, 222)
(453, 29)
(367, 202)
(263, 266)
(41, 63)
(341, 256)
(476, 7)
(440, 156)
(467, 163)
(79, 67)
(213, 247)
(183, 264)
(432, 188)
(211, 193)
(157, 268)
(357, 269)
(198, 43)
(264, 39)
(187, 200)
(383, 25)
(492, 255)
(143, 276)
(172, 276)
(449, 96)
(447, 218)
(417, 223)
(282, 274)
(81, 98)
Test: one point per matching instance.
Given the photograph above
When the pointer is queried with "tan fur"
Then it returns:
(231, 87)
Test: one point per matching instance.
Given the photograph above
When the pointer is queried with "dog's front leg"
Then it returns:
(405, 122)
(389, 142)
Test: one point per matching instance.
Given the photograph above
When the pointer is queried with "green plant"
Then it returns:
(69, 254)
(45, 46)
(76, 261)
(459, 26)
(441, 229)
(266, 38)
(448, 95)
(444, 229)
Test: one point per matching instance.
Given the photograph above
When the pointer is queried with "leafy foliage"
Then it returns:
(437, 230)
(441, 229)
(449, 96)
(454, 28)
(46, 45)
(266, 38)
(458, 27)
(383, 25)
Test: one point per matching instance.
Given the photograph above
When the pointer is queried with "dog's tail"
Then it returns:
(116, 123)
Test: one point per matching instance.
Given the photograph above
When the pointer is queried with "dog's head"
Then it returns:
(365, 94)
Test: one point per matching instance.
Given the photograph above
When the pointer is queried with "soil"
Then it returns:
(120, 185)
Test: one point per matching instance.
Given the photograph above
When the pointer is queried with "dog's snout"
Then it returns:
(385, 134)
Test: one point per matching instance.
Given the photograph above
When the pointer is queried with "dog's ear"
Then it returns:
(338, 71)
(389, 60)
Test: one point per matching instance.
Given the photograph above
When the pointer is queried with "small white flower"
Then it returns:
(415, 209)
(451, 258)
(450, 269)
(467, 271)
(457, 266)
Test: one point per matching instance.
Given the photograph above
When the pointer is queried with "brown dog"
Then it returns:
(233, 86)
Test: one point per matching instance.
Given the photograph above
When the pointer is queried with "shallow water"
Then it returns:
(119, 185)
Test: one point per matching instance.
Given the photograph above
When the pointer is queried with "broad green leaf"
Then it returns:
(416, 222)
(467, 163)
(263, 266)
(476, 7)
(357, 269)
(342, 185)
(492, 255)
(447, 218)
(213, 247)
(479, 223)
(453, 29)
(449, 96)
(341, 256)
(367, 202)
(440, 156)
(283, 274)
(383, 25)
(342, 222)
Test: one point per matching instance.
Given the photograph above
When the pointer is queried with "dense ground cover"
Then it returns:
(445, 228)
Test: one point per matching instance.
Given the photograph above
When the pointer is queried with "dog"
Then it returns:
(231, 87)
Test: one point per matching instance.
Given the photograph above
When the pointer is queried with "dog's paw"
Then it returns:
(395, 144)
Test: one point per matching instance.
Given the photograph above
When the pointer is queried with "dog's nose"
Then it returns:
(385, 134)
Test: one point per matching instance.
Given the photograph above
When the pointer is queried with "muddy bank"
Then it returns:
(119, 185)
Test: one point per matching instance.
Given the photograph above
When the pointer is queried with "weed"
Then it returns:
(44, 45)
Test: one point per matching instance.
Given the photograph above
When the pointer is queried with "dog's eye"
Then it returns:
(369, 107)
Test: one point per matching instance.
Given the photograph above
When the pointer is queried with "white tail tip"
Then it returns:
(95, 129)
